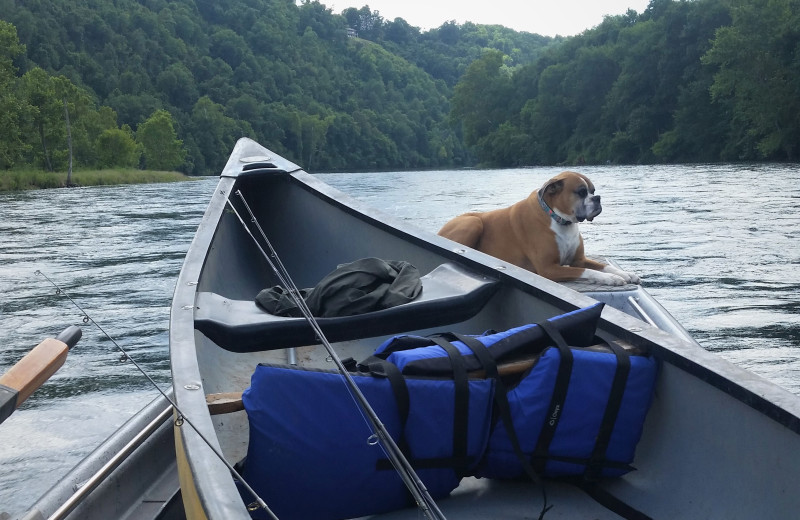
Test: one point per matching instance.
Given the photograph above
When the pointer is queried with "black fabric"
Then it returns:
(460, 459)
(461, 405)
(613, 406)
(366, 285)
(609, 501)
(559, 395)
(501, 398)
(501, 401)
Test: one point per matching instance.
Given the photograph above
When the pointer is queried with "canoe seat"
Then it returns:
(450, 294)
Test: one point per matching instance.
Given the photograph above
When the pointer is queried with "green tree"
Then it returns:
(219, 134)
(367, 23)
(47, 127)
(12, 145)
(758, 57)
(86, 129)
(117, 147)
(480, 98)
(161, 148)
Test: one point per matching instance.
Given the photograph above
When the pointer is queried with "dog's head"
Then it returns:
(572, 194)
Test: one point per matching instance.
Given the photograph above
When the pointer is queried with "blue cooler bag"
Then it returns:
(312, 455)
(576, 412)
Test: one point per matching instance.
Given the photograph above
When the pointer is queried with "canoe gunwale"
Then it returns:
(187, 383)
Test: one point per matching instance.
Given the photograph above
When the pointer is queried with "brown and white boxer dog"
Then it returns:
(541, 233)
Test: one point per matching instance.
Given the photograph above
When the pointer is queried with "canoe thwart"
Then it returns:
(223, 403)
(450, 293)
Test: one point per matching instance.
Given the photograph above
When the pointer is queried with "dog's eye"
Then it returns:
(582, 192)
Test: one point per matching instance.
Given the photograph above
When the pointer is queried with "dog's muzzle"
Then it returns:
(589, 209)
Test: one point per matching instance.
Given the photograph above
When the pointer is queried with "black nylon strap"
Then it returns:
(504, 410)
(459, 460)
(383, 368)
(556, 406)
(595, 466)
(390, 371)
(610, 502)
(461, 402)
(501, 400)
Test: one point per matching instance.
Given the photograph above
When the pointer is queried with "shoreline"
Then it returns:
(26, 180)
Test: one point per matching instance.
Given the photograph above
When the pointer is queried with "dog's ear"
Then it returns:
(553, 186)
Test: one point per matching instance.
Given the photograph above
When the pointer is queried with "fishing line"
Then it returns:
(182, 418)
(412, 481)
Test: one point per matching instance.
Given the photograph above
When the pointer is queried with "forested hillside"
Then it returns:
(172, 84)
(684, 81)
(286, 75)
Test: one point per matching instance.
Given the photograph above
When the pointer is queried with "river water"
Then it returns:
(716, 245)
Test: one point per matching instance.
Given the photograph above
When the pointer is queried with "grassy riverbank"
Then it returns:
(16, 180)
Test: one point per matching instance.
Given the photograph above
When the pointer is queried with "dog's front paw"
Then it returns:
(626, 276)
(630, 278)
(603, 277)
(613, 279)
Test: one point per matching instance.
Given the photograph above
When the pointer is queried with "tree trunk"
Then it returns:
(69, 144)
(44, 148)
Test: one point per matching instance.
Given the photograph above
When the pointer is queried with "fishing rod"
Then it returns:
(182, 418)
(410, 478)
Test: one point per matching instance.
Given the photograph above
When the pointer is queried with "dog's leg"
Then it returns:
(566, 273)
(465, 229)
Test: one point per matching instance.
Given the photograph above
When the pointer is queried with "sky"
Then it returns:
(545, 17)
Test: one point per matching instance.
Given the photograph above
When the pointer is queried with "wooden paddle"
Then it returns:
(21, 380)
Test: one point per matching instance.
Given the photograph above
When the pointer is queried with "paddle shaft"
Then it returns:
(21, 380)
